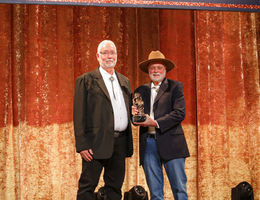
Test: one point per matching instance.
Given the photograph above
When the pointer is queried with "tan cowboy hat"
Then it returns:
(156, 56)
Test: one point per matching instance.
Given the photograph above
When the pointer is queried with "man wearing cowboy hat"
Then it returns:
(162, 140)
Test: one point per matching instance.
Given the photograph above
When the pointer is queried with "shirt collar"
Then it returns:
(105, 74)
(157, 86)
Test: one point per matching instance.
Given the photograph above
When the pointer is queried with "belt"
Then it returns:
(118, 134)
(151, 136)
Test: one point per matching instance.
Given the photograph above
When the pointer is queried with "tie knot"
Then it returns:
(111, 78)
(156, 88)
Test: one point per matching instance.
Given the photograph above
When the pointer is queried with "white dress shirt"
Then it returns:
(118, 103)
(154, 92)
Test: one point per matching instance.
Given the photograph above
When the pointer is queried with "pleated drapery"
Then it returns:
(44, 48)
(228, 104)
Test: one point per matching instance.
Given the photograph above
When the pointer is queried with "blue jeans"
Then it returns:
(175, 170)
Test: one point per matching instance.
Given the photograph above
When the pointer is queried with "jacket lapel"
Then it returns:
(121, 80)
(163, 88)
(125, 89)
(147, 99)
(101, 83)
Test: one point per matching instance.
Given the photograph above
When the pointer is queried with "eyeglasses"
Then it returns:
(106, 53)
(156, 67)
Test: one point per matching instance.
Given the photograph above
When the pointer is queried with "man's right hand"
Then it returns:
(87, 155)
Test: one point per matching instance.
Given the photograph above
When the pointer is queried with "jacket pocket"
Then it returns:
(177, 131)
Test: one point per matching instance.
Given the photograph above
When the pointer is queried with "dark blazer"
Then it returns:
(93, 115)
(169, 112)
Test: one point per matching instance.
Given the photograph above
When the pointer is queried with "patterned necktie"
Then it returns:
(112, 79)
(156, 88)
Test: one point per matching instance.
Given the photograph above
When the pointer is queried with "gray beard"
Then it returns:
(112, 65)
(159, 79)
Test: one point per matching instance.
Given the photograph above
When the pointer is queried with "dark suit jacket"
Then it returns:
(93, 115)
(169, 112)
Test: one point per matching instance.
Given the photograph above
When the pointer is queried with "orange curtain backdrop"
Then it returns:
(177, 43)
(228, 104)
(44, 49)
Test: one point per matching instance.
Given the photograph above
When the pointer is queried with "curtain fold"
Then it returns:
(227, 102)
(173, 27)
(45, 48)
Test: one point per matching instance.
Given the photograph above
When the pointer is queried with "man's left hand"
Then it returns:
(148, 122)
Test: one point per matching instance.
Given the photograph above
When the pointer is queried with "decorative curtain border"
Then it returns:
(228, 5)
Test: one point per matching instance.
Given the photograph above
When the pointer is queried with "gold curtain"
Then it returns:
(44, 49)
(177, 42)
(228, 104)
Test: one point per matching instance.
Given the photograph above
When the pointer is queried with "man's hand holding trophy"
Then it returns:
(139, 117)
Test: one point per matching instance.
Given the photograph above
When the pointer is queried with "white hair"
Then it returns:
(101, 44)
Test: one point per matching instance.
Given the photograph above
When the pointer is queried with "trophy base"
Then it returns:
(139, 118)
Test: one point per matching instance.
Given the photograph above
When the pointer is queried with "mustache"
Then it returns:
(155, 74)
(109, 60)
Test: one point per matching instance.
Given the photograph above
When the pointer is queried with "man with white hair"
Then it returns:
(162, 140)
(102, 125)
